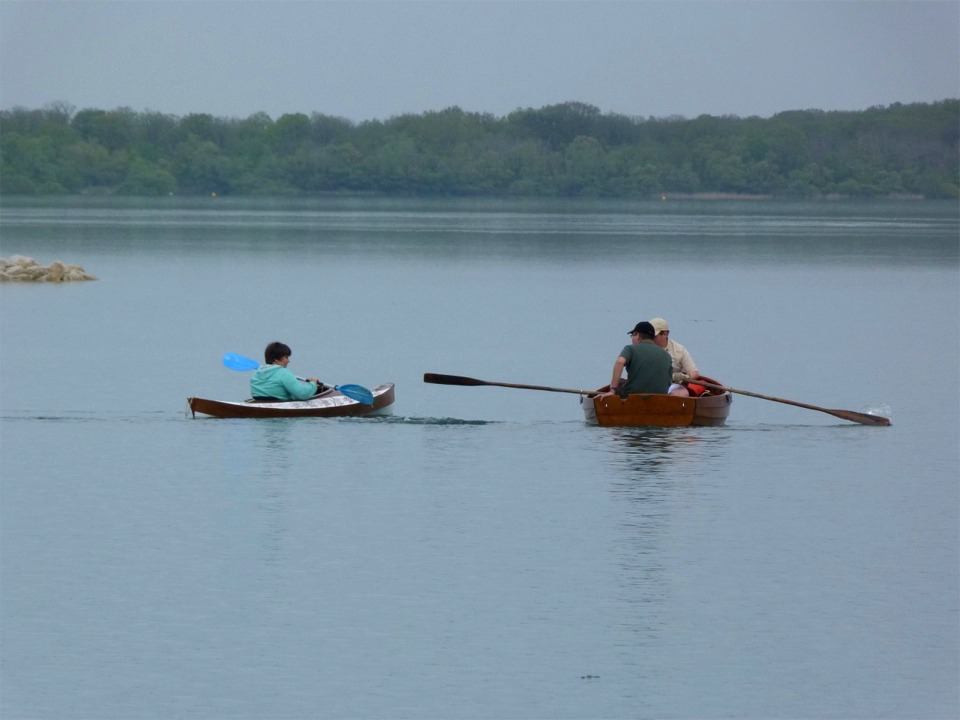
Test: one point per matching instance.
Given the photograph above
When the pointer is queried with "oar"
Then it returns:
(460, 380)
(354, 392)
(850, 415)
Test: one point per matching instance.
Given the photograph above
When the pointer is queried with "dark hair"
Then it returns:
(275, 351)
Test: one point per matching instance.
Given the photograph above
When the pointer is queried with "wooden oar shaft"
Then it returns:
(439, 379)
(857, 417)
(758, 395)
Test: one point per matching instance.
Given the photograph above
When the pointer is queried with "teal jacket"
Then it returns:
(275, 381)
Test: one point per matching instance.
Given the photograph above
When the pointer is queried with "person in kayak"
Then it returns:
(273, 381)
(648, 366)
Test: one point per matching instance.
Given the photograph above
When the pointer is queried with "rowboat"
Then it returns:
(643, 410)
(708, 404)
(330, 403)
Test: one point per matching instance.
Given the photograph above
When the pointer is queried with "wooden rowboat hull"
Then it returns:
(648, 410)
(328, 404)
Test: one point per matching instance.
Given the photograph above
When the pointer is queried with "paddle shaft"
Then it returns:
(850, 415)
(438, 379)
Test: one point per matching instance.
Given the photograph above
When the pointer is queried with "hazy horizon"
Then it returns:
(375, 60)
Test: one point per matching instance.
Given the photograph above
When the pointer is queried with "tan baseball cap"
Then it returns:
(660, 325)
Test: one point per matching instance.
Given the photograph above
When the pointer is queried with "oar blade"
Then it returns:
(439, 379)
(862, 418)
(239, 362)
(356, 392)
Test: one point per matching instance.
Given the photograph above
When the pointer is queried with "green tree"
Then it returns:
(586, 167)
(145, 179)
(566, 149)
(557, 125)
(113, 130)
(200, 167)
(290, 133)
(29, 165)
(91, 165)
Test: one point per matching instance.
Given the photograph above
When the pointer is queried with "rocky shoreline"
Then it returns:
(23, 269)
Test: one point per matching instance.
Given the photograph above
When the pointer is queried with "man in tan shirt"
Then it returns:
(684, 369)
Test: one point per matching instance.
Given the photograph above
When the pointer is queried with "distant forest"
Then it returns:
(566, 150)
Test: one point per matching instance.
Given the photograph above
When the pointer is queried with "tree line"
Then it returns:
(565, 150)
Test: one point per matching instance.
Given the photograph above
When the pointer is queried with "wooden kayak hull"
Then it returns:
(649, 410)
(328, 404)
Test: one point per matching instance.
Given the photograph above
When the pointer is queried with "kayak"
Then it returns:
(647, 409)
(330, 403)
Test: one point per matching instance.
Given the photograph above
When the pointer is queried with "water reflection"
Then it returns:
(647, 450)
(653, 451)
(259, 455)
(274, 447)
(656, 486)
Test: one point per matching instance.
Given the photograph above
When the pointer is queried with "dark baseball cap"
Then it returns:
(644, 328)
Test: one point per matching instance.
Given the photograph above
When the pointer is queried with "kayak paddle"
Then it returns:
(354, 392)
(239, 362)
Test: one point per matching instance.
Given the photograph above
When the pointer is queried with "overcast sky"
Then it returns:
(367, 60)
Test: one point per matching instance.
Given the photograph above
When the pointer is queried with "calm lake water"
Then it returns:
(481, 553)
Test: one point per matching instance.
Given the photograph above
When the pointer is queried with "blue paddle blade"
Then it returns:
(356, 392)
(239, 362)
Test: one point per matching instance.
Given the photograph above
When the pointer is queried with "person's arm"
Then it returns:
(617, 373)
(688, 369)
(296, 388)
